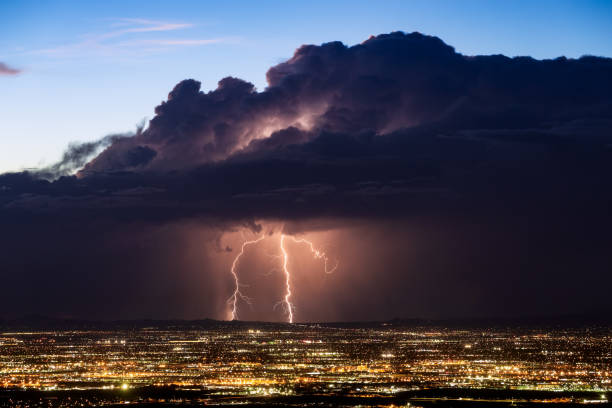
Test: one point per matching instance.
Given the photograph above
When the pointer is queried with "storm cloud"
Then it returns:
(495, 170)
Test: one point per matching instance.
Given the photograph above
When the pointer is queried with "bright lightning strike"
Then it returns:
(233, 300)
(289, 307)
(317, 254)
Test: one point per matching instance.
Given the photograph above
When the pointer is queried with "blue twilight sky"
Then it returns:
(90, 68)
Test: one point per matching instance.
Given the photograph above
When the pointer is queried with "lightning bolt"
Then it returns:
(233, 300)
(286, 301)
(289, 307)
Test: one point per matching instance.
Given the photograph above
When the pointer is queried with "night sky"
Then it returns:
(443, 185)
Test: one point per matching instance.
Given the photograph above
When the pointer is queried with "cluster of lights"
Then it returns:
(236, 360)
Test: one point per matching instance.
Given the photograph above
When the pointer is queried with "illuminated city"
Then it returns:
(252, 363)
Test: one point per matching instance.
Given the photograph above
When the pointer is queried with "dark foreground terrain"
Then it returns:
(174, 396)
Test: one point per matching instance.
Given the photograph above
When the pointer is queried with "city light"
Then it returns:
(251, 361)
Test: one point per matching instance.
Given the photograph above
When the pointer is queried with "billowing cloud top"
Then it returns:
(400, 115)
(398, 126)
(387, 83)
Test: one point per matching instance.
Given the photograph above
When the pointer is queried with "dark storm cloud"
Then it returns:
(387, 83)
(501, 158)
(6, 70)
(398, 115)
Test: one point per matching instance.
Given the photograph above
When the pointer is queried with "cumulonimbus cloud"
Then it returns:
(388, 83)
(400, 121)
(502, 164)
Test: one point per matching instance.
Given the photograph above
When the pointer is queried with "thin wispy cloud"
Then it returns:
(6, 70)
(177, 42)
(130, 35)
(139, 25)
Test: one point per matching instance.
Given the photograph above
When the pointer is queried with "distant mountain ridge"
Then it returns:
(39, 322)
